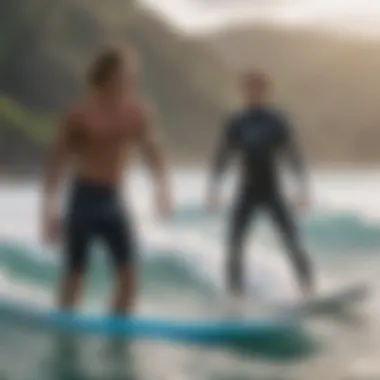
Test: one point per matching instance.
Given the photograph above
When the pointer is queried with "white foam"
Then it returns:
(267, 269)
(23, 291)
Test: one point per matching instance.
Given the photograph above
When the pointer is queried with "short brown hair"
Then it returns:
(106, 63)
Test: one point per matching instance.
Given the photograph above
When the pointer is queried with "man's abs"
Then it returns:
(99, 173)
(102, 166)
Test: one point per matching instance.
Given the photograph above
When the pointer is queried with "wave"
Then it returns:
(188, 215)
(324, 230)
(348, 231)
(160, 269)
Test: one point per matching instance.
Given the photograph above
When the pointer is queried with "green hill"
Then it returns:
(329, 84)
(46, 47)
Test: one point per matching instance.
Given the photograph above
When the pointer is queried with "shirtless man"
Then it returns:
(94, 141)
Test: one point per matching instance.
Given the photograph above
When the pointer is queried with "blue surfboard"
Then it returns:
(254, 331)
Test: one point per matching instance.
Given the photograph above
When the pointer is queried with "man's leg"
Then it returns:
(289, 231)
(241, 216)
(71, 286)
(120, 241)
(124, 293)
(76, 252)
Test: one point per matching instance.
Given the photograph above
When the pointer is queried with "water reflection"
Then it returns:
(78, 357)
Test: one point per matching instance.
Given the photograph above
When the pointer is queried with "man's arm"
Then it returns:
(56, 164)
(153, 155)
(295, 158)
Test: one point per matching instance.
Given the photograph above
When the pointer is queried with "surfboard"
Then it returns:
(328, 303)
(254, 331)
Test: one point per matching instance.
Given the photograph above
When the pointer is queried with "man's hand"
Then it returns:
(302, 203)
(164, 204)
(51, 229)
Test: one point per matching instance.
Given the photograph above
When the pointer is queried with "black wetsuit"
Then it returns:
(258, 136)
(96, 212)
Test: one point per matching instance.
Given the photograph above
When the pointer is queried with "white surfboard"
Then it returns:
(328, 303)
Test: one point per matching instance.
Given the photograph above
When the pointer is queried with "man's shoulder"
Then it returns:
(276, 112)
(139, 114)
(75, 113)
(235, 117)
(141, 108)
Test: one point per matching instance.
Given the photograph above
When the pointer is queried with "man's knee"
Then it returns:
(126, 275)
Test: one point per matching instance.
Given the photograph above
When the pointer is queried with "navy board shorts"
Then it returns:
(95, 212)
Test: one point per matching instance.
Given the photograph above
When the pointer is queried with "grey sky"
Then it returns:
(194, 16)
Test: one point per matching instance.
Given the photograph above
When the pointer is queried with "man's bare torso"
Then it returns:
(101, 138)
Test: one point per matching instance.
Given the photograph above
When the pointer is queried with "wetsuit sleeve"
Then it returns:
(224, 151)
(293, 152)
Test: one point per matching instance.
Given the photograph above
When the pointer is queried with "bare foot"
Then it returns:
(235, 306)
(307, 293)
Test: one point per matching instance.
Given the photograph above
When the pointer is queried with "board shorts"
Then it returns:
(95, 212)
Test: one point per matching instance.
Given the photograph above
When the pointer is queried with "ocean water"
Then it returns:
(181, 275)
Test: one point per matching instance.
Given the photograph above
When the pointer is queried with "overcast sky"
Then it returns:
(194, 16)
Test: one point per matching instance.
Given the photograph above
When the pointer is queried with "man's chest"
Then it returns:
(257, 133)
(102, 128)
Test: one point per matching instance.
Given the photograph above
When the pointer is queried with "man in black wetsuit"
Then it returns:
(259, 135)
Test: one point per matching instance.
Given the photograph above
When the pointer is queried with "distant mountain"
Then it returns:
(47, 48)
(329, 85)
(186, 81)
